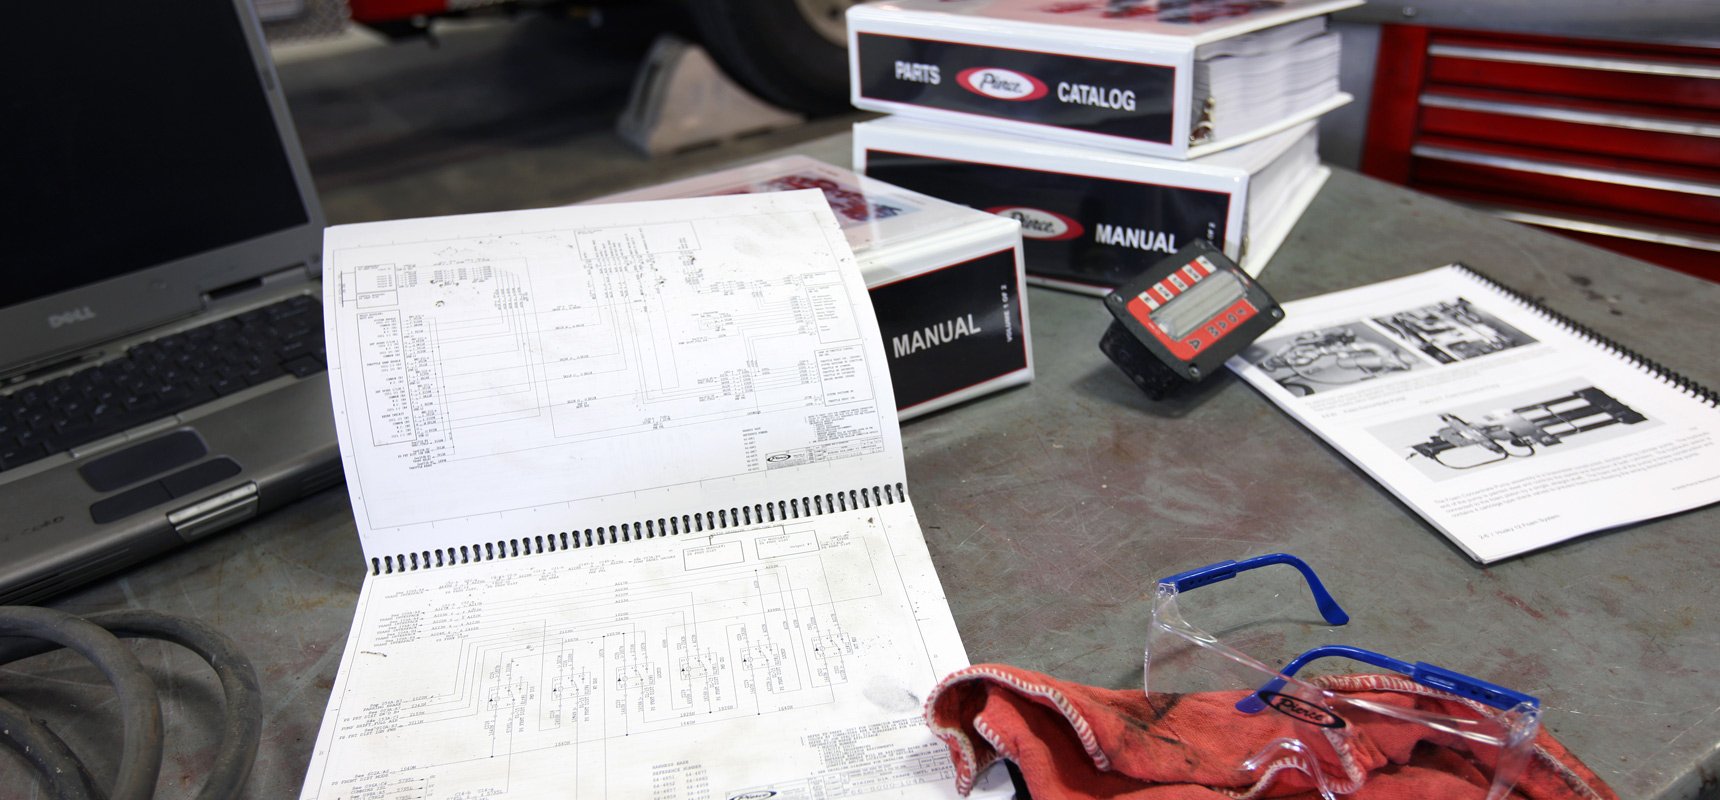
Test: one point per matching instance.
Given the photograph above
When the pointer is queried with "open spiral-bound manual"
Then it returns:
(1506, 425)
(631, 493)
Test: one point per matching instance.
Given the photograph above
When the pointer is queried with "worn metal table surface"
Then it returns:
(1050, 509)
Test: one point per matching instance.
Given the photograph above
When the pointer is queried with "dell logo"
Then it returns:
(1037, 223)
(76, 315)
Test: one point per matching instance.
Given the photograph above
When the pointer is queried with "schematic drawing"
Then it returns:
(736, 630)
(491, 356)
(634, 514)
(1329, 357)
(463, 366)
(1453, 331)
(1517, 432)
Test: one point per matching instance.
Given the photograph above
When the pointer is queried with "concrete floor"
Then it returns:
(500, 114)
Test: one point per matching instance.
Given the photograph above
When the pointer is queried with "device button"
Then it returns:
(190, 479)
(143, 460)
(129, 502)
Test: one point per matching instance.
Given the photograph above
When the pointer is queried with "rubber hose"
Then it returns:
(140, 706)
(50, 755)
(242, 727)
(243, 720)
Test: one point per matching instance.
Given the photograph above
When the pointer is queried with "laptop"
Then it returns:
(161, 348)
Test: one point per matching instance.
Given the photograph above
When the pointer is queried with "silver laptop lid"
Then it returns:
(147, 160)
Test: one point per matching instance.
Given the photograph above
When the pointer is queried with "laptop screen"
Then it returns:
(136, 134)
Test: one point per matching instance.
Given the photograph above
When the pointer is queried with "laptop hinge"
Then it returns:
(200, 519)
(36, 369)
(294, 273)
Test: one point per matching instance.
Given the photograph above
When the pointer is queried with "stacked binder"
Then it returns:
(1114, 132)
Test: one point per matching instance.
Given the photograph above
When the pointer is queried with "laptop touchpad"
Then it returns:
(177, 485)
(143, 460)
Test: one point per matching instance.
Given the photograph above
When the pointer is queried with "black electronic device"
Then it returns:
(1181, 318)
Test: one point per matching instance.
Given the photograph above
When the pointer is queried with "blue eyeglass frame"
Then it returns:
(1421, 672)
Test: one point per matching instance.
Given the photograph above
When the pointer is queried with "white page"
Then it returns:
(1577, 439)
(520, 374)
(785, 660)
(709, 367)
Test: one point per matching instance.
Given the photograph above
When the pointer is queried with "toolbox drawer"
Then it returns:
(1614, 143)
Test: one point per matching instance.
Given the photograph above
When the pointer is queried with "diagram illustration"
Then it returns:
(1329, 357)
(739, 631)
(1518, 432)
(1453, 331)
(629, 485)
(644, 351)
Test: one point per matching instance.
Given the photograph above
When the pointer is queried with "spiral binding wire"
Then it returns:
(1694, 390)
(714, 520)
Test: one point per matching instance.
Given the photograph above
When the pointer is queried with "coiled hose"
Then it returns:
(33, 631)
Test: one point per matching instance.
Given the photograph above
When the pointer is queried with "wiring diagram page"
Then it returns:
(783, 660)
(630, 484)
(1504, 427)
(529, 373)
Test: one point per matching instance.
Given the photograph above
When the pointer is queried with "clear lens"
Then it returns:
(1326, 732)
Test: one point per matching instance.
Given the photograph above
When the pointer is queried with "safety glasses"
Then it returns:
(1335, 729)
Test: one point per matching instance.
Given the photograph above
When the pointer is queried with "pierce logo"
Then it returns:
(1002, 84)
(1037, 223)
(1311, 713)
(71, 317)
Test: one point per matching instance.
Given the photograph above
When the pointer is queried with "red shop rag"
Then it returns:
(1078, 742)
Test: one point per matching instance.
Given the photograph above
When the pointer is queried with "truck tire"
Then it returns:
(789, 52)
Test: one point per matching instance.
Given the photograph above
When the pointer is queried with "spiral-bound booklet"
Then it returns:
(1508, 426)
(630, 491)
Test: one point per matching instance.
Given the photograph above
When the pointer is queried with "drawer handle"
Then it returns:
(1632, 121)
(1604, 63)
(1600, 227)
(1619, 177)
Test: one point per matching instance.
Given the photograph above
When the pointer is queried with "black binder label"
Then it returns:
(1116, 98)
(1094, 231)
(951, 328)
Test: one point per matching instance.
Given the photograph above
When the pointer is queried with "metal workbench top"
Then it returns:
(1051, 509)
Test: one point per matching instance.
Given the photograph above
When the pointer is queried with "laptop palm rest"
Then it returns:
(175, 485)
(49, 546)
(144, 460)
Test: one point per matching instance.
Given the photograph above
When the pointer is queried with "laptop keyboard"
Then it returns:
(161, 377)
